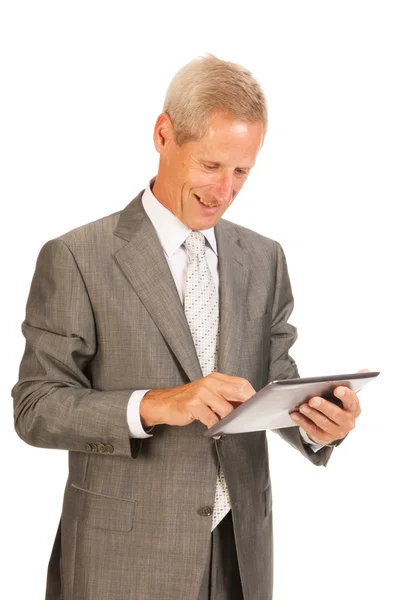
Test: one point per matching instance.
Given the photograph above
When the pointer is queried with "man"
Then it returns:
(142, 330)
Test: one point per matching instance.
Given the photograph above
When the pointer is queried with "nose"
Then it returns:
(224, 189)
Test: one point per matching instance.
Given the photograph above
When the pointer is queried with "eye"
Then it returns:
(241, 171)
(210, 167)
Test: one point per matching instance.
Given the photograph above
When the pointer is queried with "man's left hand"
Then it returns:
(323, 421)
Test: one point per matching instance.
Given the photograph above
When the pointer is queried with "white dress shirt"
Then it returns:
(172, 233)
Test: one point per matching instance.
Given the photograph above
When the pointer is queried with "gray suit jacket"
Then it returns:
(103, 319)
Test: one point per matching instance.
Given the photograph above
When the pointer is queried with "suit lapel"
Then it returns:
(233, 277)
(144, 264)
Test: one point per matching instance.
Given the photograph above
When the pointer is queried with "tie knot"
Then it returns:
(195, 244)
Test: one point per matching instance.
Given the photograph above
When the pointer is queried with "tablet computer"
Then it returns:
(270, 408)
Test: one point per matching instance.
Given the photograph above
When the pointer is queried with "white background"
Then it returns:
(82, 85)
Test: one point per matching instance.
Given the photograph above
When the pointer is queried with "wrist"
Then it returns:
(150, 409)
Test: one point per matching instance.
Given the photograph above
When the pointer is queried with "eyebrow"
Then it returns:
(216, 164)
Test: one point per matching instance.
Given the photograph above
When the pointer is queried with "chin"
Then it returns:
(199, 224)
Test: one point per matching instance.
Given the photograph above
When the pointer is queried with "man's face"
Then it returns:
(199, 180)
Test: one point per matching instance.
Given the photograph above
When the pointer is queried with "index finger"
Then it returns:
(234, 390)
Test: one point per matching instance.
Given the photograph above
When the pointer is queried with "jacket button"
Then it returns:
(109, 448)
(219, 442)
(88, 447)
(93, 447)
(206, 511)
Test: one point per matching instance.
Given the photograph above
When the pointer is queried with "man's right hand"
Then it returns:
(208, 400)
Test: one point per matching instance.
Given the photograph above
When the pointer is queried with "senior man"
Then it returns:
(142, 329)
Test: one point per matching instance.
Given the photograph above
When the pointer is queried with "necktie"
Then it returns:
(202, 313)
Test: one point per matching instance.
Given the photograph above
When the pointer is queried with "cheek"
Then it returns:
(203, 181)
(239, 184)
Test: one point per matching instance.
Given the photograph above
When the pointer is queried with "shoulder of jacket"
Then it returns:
(96, 230)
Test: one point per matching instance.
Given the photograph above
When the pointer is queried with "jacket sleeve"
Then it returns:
(281, 364)
(54, 403)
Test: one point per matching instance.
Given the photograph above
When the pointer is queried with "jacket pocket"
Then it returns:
(102, 511)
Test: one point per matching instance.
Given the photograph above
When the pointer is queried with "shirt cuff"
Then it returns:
(315, 447)
(133, 415)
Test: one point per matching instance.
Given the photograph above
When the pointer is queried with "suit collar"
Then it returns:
(143, 262)
(233, 278)
(134, 215)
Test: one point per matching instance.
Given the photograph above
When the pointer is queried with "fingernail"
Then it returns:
(340, 391)
(295, 416)
(305, 409)
(315, 402)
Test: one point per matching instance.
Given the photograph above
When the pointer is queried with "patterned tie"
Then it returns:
(202, 313)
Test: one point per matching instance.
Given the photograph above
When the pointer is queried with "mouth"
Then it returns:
(204, 203)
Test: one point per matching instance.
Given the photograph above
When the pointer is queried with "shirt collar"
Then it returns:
(170, 230)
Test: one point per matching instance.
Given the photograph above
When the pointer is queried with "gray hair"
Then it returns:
(206, 85)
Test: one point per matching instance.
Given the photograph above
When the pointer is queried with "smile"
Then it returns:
(205, 203)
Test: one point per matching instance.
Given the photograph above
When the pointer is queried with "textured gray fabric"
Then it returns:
(221, 579)
(104, 318)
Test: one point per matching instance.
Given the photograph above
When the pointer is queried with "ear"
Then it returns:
(163, 132)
